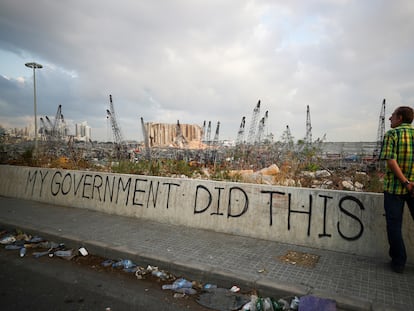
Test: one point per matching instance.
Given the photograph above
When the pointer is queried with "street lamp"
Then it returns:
(34, 66)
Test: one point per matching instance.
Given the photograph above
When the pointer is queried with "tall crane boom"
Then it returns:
(208, 134)
(308, 137)
(216, 136)
(380, 131)
(262, 125)
(253, 125)
(116, 131)
(240, 133)
(146, 140)
(120, 145)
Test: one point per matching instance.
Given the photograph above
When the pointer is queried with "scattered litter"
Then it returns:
(300, 259)
(294, 304)
(310, 303)
(235, 289)
(12, 247)
(83, 251)
(178, 284)
(35, 239)
(222, 299)
(186, 290)
(40, 254)
(7, 240)
(159, 274)
(22, 251)
(123, 263)
(209, 286)
(61, 253)
(211, 296)
(130, 270)
(141, 272)
(107, 263)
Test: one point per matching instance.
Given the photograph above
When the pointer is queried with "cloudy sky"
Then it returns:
(195, 61)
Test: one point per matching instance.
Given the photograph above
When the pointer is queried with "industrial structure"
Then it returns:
(380, 131)
(56, 130)
(308, 136)
(120, 144)
(172, 135)
(253, 124)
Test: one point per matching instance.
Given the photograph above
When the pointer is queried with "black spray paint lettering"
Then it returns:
(88, 184)
(231, 201)
(97, 184)
(271, 203)
(325, 205)
(246, 202)
(343, 210)
(169, 190)
(31, 179)
(309, 212)
(325, 217)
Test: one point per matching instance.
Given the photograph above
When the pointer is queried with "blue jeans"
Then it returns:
(394, 207)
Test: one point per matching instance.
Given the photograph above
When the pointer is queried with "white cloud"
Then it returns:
(194, 61)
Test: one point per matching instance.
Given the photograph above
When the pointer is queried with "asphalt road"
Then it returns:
(57, 284)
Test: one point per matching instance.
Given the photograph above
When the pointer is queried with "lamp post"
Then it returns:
(34, 66)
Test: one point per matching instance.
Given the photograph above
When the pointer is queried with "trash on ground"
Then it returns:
(186, 290)
(65, 254)
(12, 247)
(124, 263)
(36, 239)
(161, 274)
(7, 240)
(300, 259)
(83, 251)
(40, 254)
(179, 283)
(22, 251)
(235, 289)
(310, 303)
(222, 299)
(208, 286)
(107, 263)
(141, 272)
(212, 297)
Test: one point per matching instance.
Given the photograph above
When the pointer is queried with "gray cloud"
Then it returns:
(194, 61)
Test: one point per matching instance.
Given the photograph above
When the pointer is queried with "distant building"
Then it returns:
(83, 131)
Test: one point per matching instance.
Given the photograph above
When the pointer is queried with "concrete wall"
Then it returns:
(351, 222)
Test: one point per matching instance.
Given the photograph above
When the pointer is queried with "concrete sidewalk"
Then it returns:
(355, 282)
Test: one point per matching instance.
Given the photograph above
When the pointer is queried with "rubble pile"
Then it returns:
(322, 179)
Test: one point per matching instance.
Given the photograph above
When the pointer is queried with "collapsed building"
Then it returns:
(174, 135)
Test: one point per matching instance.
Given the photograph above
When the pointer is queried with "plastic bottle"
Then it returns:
(125, 263)
(40, 254)
(22, 252)
(179, 283)
(209, 286)
(294, 304)
(186, 290)
(12, 247)
(160, 274)
(66, 253)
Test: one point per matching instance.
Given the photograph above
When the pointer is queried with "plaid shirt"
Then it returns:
(398, 144)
